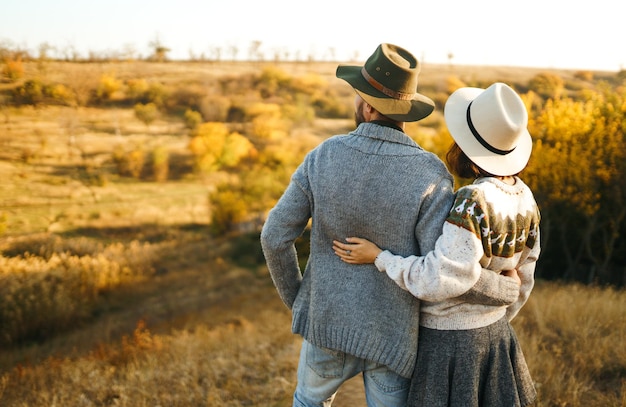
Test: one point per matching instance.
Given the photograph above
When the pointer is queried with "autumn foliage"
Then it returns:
(577, 172)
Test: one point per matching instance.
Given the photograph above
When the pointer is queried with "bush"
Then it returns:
(13, 69)
(547, 85)
(56, 286)
(330, 106)
(156, 94)
(60, 94)
(584, 75)
(136, 90)
(160, 163)
(108, 85)
(272, 81)
(3, 223)
(143, 92)
(147, 113)
(227, 209)
(215, 108)
(129, 163)
(30, 93)
(192, 119)
(185, 98)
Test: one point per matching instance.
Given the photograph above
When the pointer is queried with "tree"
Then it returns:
(44, 51)
(159, 51)
(233, 50)
(268, 123)
(214, 147)
(577, 173)
(254, 52)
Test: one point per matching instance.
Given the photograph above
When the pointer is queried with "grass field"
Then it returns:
(178, 316)
(210, 333)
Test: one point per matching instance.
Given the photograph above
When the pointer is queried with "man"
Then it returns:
(379, 184)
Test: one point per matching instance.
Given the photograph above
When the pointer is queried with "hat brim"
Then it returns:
(455, 115)
(412, 110)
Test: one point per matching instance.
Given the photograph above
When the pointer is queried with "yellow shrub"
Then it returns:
(13, 69)
(46, 292)
(107, 86)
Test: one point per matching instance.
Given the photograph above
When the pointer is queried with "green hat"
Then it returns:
(388, 82)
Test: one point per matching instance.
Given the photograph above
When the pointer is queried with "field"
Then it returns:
(128, 297)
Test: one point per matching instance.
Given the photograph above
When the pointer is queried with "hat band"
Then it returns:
(481, 140)
(382, 88)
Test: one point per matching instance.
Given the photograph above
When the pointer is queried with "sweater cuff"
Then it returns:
(382, 260)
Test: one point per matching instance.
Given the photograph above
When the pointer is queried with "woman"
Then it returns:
(468, 354)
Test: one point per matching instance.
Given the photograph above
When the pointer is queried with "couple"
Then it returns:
(375, 183)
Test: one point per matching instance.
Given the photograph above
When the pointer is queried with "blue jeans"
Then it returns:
(321, 371)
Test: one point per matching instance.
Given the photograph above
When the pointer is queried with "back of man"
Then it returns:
(376, 183)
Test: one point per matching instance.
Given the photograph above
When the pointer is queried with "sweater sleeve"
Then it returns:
(448, 271)
(284, 224)
(526, 272)
(433, 213)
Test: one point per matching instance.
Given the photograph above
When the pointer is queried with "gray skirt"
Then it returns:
(470, 368)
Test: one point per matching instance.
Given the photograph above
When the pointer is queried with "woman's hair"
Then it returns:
(461, 166)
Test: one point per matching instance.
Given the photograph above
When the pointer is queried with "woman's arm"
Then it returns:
(450, 270)
(526, 273)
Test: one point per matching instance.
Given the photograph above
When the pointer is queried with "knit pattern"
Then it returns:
(510, 226)
(374, 182)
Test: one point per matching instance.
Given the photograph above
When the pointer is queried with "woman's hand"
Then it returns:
(513, 274)
(356, 251)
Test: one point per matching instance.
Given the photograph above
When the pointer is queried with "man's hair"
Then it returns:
(461, 166)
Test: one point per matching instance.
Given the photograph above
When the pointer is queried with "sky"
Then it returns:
(528, 33)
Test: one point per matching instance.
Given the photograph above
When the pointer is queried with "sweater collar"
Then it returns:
(387, 124)
(514, 189)
(384, 133)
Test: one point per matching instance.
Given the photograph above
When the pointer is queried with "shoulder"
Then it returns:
(435, 161)
(470, 192)
(323, 151)
(468, 199)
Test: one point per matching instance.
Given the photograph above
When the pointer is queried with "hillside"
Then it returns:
(116, 288)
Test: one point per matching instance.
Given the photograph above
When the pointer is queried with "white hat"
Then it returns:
(489, 125)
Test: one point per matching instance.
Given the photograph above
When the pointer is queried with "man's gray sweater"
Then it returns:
(374, 183)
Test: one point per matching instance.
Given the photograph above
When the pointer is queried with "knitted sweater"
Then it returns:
(491, 225)
(377, 183)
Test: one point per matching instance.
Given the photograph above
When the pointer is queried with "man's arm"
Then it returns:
(284, 224)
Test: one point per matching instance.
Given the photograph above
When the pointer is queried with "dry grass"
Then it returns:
(237, 363)
(573, 336)
(56, 171)
(237, 350)
(211, 335)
